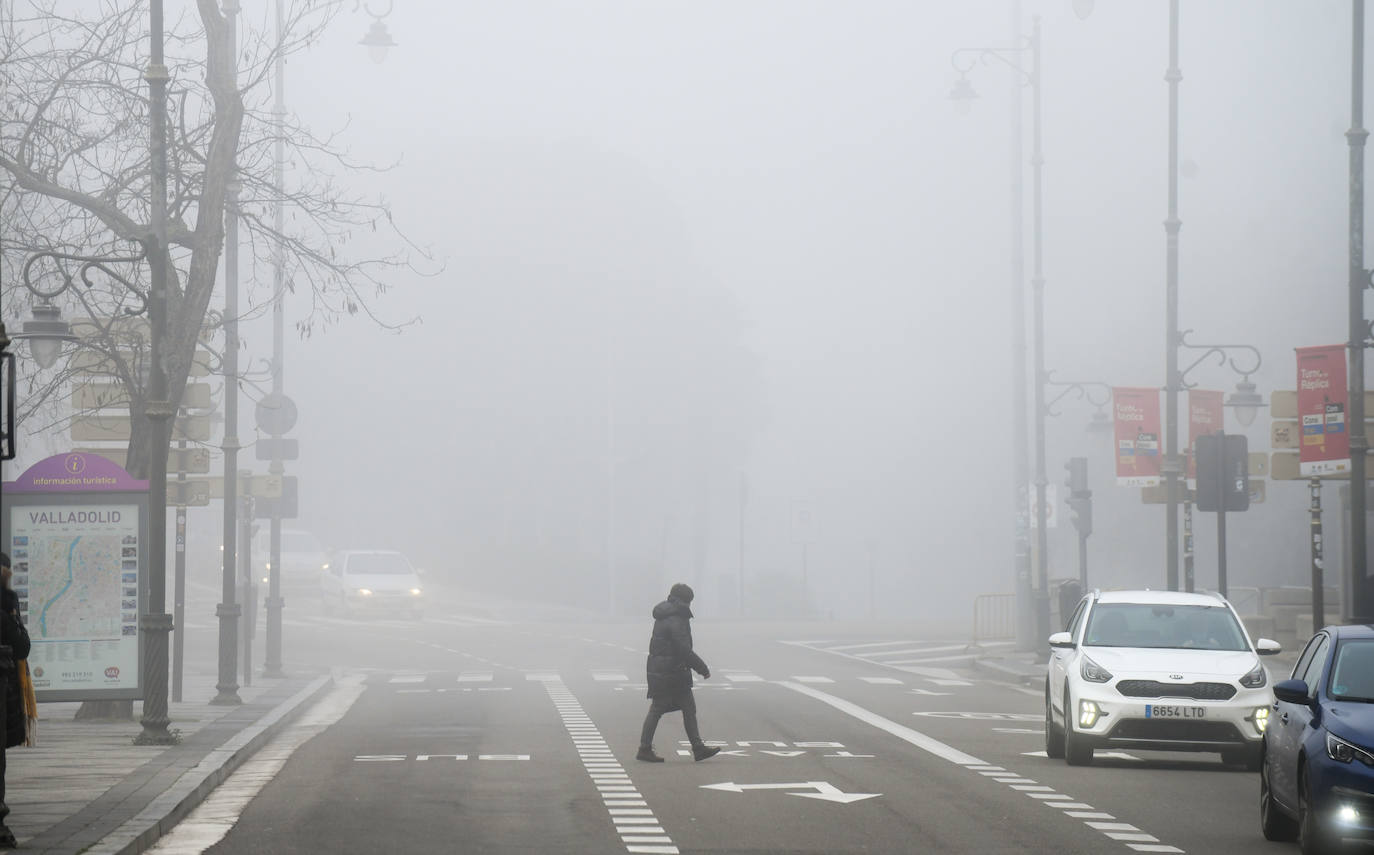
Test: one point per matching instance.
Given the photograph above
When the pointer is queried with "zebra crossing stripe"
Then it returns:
(637, 826)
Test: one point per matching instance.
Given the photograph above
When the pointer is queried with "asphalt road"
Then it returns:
(516, 733)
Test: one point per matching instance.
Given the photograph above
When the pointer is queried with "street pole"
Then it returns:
(228, 610)
(272, 663)
(179, 589)
(1172, 468)
(1314, 507)
(1026, 627)
(155, 623)
(743, 500)
(1042, 593)
(1361, 600)
(1221, 513)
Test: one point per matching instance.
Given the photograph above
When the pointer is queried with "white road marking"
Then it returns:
(216, 816)
(609, 676)
(474, 677)
(744, 678)
(1121, 831)
(407, 678)
(813, 679)
(634, 824)
(882, 681)
(914, 737)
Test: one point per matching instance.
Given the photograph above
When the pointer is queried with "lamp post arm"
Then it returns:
(83, 272)
(1223, 353)
(1084, 389)
(965, 59)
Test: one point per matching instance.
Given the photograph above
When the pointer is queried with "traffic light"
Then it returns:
(1078, 474)
(1080, 498)
(1223, 472)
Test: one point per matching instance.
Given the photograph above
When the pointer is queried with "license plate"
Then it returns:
(1174, 711)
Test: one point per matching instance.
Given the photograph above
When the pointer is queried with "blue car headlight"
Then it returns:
(1344, 752)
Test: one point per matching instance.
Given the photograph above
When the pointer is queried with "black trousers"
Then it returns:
(657, 708)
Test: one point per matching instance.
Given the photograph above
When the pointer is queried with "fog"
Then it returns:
(688, 248)
(724, 285)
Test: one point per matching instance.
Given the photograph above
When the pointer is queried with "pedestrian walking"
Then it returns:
(14, 649)
(669, 670)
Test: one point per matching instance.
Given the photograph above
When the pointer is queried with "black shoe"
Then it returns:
(702, 752)
(7, 840)
(648, 756)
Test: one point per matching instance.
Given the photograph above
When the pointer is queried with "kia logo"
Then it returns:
(1175, 676)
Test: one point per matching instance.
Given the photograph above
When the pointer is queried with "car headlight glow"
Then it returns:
(1092, 672)
(415, 592)
(1343, 752)
(1256, 678)
(324, 566)
(1348, 814)
(366, 592)
(1088, 713)
(1261, 718)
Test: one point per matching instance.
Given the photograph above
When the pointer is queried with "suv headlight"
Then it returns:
(1092, 672)
(1340, 750)
(1256, 678)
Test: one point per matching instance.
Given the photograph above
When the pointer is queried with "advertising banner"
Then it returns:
(75, 526)
(1324, 448)
(1135, 413)
(1205, 409)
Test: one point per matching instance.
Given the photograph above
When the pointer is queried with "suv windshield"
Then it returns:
(378, 562)
(1147, 625)
(1352, 675)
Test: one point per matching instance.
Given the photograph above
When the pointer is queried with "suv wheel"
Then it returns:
(1076, 752)
(1054, 735)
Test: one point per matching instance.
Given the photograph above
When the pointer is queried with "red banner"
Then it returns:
(1322, 396)
(1135, 414)
(1205, 410)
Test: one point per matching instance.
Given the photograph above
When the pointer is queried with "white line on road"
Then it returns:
(217, 815)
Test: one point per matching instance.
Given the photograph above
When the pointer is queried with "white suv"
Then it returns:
(1157, 670)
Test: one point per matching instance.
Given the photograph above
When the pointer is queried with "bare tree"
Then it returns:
(75, 180)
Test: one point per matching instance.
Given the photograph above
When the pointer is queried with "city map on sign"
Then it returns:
(74, 586)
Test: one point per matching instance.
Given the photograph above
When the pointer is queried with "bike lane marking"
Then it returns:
(1099, 821)
(635, 822)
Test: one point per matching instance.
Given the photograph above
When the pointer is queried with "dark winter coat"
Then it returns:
(671, 660)
(16, 640)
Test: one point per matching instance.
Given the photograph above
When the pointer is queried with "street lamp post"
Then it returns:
(1361, 599)
(228, 611)
(962, 94)
(1172, 468)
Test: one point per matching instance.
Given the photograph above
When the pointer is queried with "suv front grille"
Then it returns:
(1165, 730)
(1156, 689)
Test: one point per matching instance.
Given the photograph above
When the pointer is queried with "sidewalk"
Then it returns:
(87, 788)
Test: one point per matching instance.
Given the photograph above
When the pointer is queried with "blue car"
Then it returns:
(1317, 772)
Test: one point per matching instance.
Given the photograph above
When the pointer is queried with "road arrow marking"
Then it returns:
(824, 791)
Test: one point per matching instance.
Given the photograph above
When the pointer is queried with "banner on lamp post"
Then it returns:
(1324, 447)
(1135, 415)
(1205, 409)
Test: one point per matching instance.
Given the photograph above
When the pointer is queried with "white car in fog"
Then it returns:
(303, 557)
(1158, 670)
(372, 580)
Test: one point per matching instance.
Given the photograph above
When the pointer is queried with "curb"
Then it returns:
(171, 807)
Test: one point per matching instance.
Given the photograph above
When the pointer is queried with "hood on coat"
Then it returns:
(670, 607)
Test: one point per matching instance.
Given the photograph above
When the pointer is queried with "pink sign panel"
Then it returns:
(1205, 409)
(1135, 415)
(1322, 394)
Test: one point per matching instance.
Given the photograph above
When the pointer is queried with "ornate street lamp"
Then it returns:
(1033, 600)
(378, 39)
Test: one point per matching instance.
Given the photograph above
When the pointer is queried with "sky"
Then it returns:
(721, 285)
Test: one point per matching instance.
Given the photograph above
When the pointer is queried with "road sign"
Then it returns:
(100, 363)
(276, 414)
(825, 791)
(277, 448)
(1051, 500)
(1283, 403)
(1223, 480)
(100, 396)
(257, 486)
(283, 508)
(115, 428)
(1284, 466)
(188, 493)
(192, 461)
